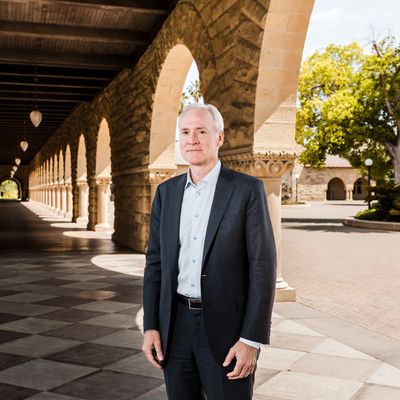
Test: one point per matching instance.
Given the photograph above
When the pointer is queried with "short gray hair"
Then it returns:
(214, 112)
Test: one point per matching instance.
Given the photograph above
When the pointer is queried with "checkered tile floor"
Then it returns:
(70, 319)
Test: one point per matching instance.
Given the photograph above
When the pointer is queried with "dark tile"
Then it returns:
(8, 336)
(53, 282)
(72, 315)
(92, 355)
(7, 292)
(131, 311)
(64, 301)
(135, 298)
(4, 318)
(81, 332)
(126, 289)
(110, 385)
(96, 294)
(11, 392)
(9, 360)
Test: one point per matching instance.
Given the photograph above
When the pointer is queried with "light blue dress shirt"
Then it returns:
(195, 213)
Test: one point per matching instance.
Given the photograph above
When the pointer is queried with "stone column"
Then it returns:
(63, 204)
(83, 202)
(349, 193)
(103, 199)
(58, 197)
(269, 167)
(68, 188)
(53, 198)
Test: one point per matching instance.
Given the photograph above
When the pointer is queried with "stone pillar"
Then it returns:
(63, 204)
(57, 189)
(53, 198)
(269, 167)
(68, 188)
(103, 199)
(349, 193)
(83, 202)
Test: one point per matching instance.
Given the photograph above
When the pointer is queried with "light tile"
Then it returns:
(378, 392)
(334, 348)
(33, 325)
(336, 367)
(25, 309)
(52, 396)
(37, 346)
(288, 326)
(278, 359)
(104, 306)
(131, 339)
(298, 386)
(386, 375)
(113, 321)
(43, 374)
(26, 297)
(294, 342)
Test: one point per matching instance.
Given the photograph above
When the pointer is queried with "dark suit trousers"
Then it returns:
(190, 371)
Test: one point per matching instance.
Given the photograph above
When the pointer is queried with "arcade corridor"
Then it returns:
(67, 326)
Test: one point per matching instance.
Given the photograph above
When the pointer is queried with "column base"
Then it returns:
(285, 295)
(82, 220)
(68, 215)
(103, 228)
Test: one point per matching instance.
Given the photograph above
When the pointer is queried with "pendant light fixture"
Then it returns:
(17, 161)
(24, 143)
(36, 115)
(15, 168)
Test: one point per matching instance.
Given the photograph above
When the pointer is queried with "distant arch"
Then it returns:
(360, 189)
(10, 188)
(336, 190)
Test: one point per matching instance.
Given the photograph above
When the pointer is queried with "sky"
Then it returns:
(344, 21)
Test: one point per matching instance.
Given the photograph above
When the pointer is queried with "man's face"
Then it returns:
(199, 140)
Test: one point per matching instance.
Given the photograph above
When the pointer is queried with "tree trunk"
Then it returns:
(394, 152)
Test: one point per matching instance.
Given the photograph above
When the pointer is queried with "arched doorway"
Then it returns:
(68, 182)
(163, 159)
(83, 203)
(336, 190)
(105, 206)
(360, 190)
(10, 189)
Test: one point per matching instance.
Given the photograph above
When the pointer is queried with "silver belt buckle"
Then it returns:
(194, 306)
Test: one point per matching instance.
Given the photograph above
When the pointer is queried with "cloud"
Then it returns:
(330, 15)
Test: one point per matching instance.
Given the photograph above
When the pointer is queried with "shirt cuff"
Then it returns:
(256, 345)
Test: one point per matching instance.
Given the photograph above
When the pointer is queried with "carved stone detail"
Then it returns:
(267, 164)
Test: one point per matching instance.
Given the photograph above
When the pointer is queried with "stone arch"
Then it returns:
(81, 180)
(17, 183)
(68, 165)
(279, 64)
(68, 182)
(105, 206)
(360, 189)
(61, 172)
(336, 189)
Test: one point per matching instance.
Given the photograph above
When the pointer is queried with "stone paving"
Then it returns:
(349, 272)
(70, 327)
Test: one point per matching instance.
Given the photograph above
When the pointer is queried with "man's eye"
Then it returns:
(184, 133)
(203, 132)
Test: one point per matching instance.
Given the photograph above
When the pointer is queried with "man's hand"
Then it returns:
(152, 348)
(246, 360)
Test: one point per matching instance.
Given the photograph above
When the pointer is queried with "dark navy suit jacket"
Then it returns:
(239, 262)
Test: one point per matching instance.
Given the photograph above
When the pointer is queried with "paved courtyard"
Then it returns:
(70, 327)
(348, 272)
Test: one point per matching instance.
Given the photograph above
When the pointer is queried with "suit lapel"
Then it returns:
(223, 193)
(174, 206)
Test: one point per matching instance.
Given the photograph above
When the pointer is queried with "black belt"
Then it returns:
(192, 304)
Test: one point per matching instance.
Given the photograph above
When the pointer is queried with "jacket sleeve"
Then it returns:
(152, 272)
(261, 253)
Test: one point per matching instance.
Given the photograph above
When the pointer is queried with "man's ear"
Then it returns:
(221, 138)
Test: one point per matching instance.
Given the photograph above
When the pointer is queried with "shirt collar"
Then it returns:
(211, 178)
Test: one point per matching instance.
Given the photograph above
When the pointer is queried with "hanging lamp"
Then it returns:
(14, 168)
(36, 115)
(17, 161)
(24, 145)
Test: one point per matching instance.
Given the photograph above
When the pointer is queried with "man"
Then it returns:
(210, 271)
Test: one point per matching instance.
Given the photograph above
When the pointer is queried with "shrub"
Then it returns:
(385, 198)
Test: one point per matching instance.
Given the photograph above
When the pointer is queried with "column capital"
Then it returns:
(83, 184)
(261, 163)
(160, 175)
(103, 181)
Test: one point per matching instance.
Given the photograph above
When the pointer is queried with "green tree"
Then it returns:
(192, 94)
(349, 106)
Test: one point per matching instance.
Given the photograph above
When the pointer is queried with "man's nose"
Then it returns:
(193, 137)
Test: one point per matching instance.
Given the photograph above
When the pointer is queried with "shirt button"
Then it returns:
(195, 238)
(193, 261)
(192, 285)
(196, 215)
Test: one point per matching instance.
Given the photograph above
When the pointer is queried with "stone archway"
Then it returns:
(105, 206)
(81, 180)
(164, 116)
(336, 190)
(68, 182)
(10, 189)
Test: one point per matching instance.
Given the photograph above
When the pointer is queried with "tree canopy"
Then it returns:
(349, 106)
